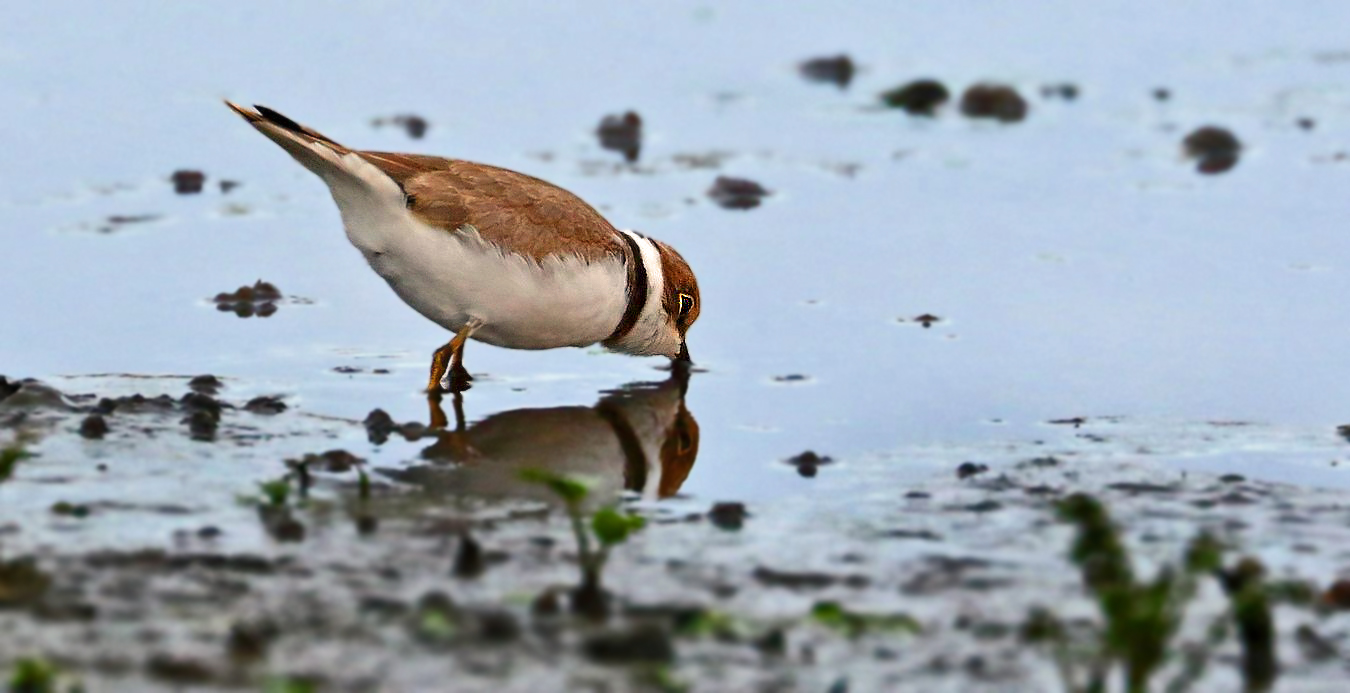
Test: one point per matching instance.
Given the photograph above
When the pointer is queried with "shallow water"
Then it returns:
(1079, 265)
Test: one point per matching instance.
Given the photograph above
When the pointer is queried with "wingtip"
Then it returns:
(272, 123)
(244, 112)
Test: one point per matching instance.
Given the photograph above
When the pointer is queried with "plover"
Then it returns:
(495, 255)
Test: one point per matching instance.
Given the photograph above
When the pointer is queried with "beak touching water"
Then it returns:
(680, 368)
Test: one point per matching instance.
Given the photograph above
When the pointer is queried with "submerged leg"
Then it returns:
(447, 364)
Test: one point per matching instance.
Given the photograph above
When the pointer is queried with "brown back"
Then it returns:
(511, 210)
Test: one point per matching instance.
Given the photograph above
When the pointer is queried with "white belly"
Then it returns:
(523, 304)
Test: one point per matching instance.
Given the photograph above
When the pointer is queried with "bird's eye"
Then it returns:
(686, 304)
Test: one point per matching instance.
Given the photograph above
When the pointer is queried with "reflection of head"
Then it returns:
(678, 453)
(659, 437)
(638, 438)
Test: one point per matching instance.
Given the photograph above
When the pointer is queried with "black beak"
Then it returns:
(680, 368)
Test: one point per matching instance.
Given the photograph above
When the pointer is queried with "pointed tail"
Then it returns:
(312, 149)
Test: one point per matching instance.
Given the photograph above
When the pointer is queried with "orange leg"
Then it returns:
(451, 358)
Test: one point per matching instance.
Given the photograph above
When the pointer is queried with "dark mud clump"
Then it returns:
(1064, 91)
(968, 469)
(94, 427)
(927, 320)
(205, 384)
(1337, 596)
(247, 301)
(1215, 149)
(227, 185)
(737, 193)
(728, 516)
(68, 509)
(642, 643)
(28, 395)
(249, 641)
(117, 221)
(187, 182)
(623, 134)
(9, 387)
(921, 97)
(995, 101)
(335, 461)
(21, 582)
(837, 70)
(807, 580)
(178, 671)
(808, 463)
(1162, 94)
(203, 415)
(265, 405)
(469, 560)
(379, 425)
(416, 126)
(202, 425)
(196, 401)
(136, 404)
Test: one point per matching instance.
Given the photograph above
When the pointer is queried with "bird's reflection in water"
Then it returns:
(639, 438)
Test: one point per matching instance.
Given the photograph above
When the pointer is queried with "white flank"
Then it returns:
(523, 304)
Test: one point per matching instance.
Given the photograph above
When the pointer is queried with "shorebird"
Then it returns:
(495, 255)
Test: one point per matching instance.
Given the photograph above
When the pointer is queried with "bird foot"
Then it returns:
(457, 379)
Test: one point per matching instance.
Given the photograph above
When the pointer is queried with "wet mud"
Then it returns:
(623, 134)
(457, 559)
(259, 300)
(1131, 385)
(994, 101)
(1215, 149)
(737, 193)
(837, 70)
(415, 126)
(920, 97)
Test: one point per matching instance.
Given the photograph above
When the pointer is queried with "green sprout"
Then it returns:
(362, 485)
(1141, 619)
(834, 616)
(33, 675)
(703, 623)
(276, 491)
(608, 528)
(11, 455)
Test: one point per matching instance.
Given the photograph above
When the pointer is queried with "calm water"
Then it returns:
(1080, 266)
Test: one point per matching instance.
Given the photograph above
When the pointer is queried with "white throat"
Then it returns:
(651, 335)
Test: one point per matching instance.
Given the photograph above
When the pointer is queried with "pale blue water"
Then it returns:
(1081, 267)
